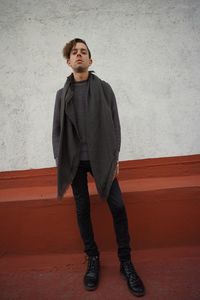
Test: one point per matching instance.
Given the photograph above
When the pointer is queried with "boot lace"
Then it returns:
(130, 270)
(92, 263)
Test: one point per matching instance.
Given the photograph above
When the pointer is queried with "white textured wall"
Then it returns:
(149, 51)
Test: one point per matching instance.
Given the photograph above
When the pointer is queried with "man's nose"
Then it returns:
(78, 53)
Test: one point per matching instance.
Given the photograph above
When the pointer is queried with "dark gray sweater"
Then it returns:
(80, 101)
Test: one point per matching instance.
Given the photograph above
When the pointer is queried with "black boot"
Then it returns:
(91, 278)
(134, 282)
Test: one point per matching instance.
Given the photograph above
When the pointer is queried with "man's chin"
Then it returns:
(80, 69)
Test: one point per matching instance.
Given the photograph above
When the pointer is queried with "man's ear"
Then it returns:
(91, 61)
(68, 62)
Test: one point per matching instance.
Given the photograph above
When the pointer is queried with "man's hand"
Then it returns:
(116, 171)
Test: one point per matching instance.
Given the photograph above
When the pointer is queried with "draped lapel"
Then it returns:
(67, 106)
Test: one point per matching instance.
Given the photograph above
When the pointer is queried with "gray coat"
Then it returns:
(103, 135)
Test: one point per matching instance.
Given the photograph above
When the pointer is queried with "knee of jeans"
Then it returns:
(118, 209)
(83, 210)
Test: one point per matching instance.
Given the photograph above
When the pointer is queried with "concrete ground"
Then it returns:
(168, 274)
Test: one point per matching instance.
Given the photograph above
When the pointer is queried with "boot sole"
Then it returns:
(90, 289)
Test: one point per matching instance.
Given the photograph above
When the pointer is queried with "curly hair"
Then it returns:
(68, 47)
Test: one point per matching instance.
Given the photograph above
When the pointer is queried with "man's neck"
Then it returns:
(81, 76)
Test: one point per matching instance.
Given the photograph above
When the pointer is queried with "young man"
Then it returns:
(86, 138)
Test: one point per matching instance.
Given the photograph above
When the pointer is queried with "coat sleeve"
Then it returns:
(56, 126)
(115, 115)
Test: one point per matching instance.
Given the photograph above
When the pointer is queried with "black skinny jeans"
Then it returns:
(117, 208)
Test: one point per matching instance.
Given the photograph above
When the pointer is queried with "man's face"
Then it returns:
(79, 59)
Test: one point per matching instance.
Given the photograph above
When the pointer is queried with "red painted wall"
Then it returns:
(162, 197)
